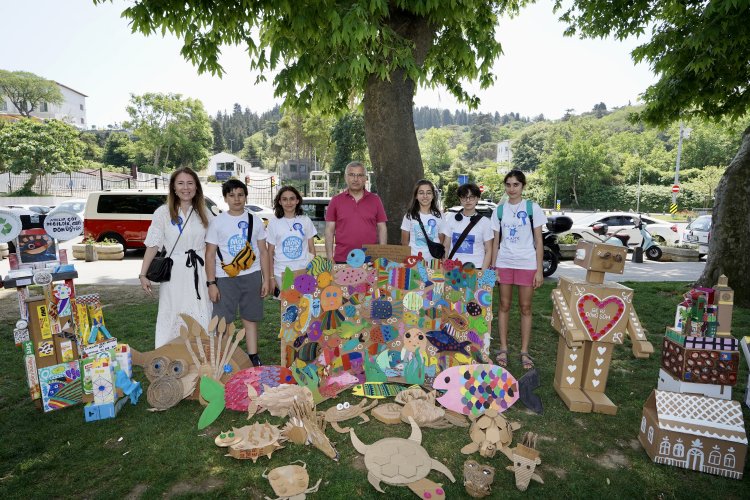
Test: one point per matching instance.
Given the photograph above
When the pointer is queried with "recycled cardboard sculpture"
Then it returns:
(525, 459)
(690, 420)
(277, 400)
(251, 441)
(290, 482)
(489, 433)
(409, 320)
(344, 411)
(478, 478)
(592, 316)
(746, 351)
(402, 462)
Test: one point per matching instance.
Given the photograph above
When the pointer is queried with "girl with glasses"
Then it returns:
(476, 246)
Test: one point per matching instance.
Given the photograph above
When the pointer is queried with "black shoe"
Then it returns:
(255, 359)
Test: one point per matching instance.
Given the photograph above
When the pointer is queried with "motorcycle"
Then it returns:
(650, 248)
(555, 224)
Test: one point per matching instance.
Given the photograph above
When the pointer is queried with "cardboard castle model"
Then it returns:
(591, 316)
(691, 421)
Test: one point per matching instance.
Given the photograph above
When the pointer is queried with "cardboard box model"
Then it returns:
(694, 432)
(591, 316)
(708, 365)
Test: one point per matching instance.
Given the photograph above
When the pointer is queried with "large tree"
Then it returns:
(175, 130)
(327, 51)
(700, 51)
(28, 91)
(38, 148)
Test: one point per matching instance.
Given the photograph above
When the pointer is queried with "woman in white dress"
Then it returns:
(180, 227)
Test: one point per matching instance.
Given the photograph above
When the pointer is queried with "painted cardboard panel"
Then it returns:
(32, 376)
(35, 246)
(694, 432)
(398, 316)
(705, 366)
(600, 257)
(60, 386)
(41, 332)
(669, 383)
(601, 311)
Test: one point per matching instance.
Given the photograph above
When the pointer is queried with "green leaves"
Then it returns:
(39, 147)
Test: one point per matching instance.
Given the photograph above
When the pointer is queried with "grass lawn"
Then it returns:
(145, 454)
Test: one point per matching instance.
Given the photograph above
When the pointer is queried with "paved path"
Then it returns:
(126, 271)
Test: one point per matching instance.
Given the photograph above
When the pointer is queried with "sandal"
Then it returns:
(502, 358)
(527, 361)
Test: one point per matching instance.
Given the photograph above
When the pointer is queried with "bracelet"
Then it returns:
(141, 276)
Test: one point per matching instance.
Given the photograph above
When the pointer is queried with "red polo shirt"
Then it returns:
(356, 221)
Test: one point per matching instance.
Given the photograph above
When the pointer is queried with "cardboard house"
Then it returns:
(694, 432)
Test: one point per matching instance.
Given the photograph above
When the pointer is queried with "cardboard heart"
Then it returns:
(597, 371)
(599, 361)
(571, 368)
(573, 357)
(570, 380)
(601, 350)
(595, 383)
(589, 304)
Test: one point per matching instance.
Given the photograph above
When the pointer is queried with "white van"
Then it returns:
(124, 216)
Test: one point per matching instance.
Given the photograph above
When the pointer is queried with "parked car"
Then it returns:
(315, 208)
(261, 211)
(624, 222)
(124, 216)
(698, 233)
(36, 221)
(77, 205)
(484, 207)
(39, 209)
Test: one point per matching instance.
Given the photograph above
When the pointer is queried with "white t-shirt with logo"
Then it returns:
(290, 240)
(472, 248)
(229, 233)
(517, 244)
(417, 242)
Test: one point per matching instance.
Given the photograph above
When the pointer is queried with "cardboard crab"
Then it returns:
(344, 411)
(290, 482)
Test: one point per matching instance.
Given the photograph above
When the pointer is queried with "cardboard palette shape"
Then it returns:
(694, 432)
(399, 321)
(592, 316)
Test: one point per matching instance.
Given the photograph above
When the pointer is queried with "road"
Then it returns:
(125, 272)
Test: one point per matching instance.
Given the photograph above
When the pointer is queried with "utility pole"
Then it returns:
(677, 166)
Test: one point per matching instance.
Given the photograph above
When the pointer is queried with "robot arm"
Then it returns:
(642, 348)
(562, 321)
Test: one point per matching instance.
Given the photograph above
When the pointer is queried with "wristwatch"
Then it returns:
(209, 283)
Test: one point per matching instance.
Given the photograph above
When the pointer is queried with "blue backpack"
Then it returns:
(529, 211)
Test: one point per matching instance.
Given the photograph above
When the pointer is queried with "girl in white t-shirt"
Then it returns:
(518, 252)
(424, 207)
(290, 234)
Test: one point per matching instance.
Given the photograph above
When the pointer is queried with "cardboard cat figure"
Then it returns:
(592, 316)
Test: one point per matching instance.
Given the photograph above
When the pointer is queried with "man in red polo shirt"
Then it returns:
(355, 217)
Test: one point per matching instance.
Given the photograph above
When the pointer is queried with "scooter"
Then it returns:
(650, 249)
(555, 224)
(601, 233)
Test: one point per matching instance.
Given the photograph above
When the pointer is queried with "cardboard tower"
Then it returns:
(591, 316)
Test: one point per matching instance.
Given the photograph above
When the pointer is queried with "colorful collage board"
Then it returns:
(406, 318)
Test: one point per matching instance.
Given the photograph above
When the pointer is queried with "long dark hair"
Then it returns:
(413, 212)
(278, 210)
(199, 201)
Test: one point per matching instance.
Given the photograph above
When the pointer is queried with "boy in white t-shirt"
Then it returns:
(477, 246)
(519, 253)
(245, 285)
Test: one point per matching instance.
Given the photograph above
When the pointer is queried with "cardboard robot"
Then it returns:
(592, 316)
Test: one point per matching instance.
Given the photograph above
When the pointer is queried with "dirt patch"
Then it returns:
(613, 459)
(580, 422)
(137, 492)
(560, 473)
(186, 487)
(359, 463)
(635, 444)
(546, 438)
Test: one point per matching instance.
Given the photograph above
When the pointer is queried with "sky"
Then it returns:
(91, 49)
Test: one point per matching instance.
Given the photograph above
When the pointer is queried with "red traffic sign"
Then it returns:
(481, 188)
(676, 188)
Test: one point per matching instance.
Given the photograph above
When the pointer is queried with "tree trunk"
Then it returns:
(28, 186)
(729, 247)
(389, 126)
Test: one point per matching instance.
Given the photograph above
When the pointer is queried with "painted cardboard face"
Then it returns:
(414, 339)
(331, 298)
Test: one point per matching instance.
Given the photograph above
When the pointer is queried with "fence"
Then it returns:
(79, 184)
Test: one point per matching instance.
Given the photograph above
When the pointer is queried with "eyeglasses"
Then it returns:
(471, 197)
(356, 176)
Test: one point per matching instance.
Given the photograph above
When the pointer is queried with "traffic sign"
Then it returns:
(676, 188)
(481, 188)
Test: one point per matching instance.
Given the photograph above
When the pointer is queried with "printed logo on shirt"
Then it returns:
(237, 241)
(430, 227)
(291, 247)
(467, 246)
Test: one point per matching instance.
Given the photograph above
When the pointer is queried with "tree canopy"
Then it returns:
(27, 91)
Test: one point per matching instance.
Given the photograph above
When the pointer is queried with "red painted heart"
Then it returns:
(600, 305)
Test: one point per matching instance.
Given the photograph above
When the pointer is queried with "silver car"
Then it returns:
(698, 233)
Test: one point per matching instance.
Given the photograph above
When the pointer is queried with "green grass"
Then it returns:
(163, 454)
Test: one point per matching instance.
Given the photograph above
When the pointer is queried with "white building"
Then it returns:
(72, 110)
(226, 165)
(504, 154)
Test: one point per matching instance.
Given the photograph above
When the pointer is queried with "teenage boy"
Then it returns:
(245, 285)
(476, 246)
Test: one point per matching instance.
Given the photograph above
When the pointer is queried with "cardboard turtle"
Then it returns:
(290, 482)
(402, 462)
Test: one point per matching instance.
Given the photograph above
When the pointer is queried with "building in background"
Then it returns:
(72, 110)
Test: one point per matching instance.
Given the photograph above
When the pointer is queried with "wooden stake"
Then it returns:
(186, 339)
